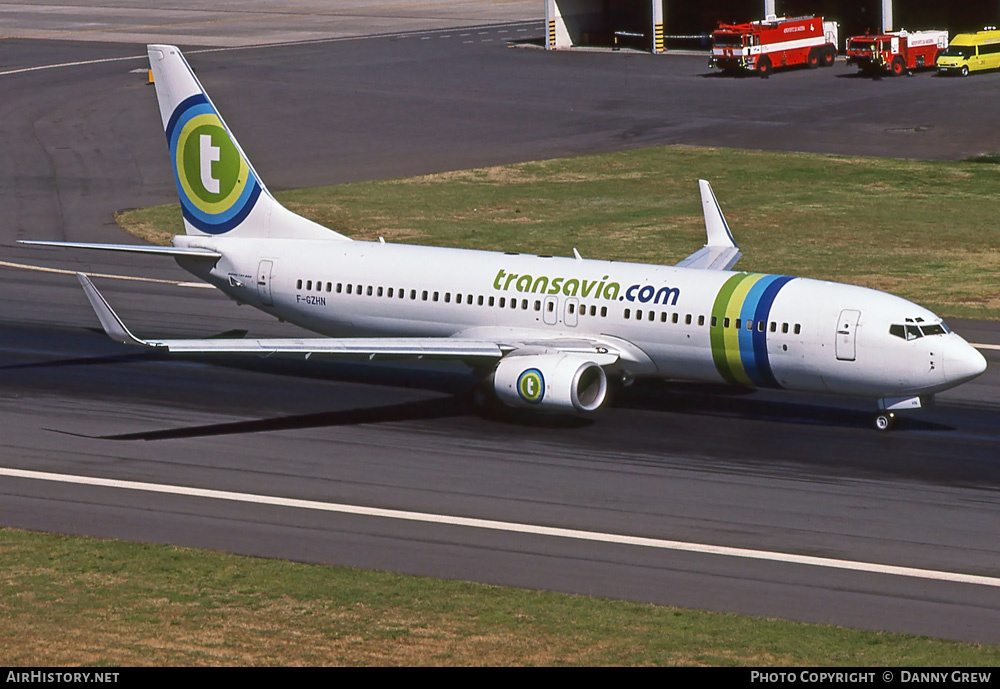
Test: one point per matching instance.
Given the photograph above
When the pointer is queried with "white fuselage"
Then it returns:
(669, 322)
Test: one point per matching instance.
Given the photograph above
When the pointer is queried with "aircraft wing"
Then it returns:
(720, 251)
(415, 347)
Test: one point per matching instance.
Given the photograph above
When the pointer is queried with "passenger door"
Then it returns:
(264, 282)
(847, 328)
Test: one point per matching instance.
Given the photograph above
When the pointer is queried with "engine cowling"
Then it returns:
(552, 382)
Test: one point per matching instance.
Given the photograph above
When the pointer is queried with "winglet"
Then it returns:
(720, 251)
(110, 321)
(715, 222)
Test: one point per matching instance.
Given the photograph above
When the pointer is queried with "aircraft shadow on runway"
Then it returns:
(457, 387)
(421, 410)
(85, 361)
(697, 402)
(734, 402)
(648, 395)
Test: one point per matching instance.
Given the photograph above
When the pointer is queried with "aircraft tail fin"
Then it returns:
(220, 192)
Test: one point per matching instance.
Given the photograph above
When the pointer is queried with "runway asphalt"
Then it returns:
(768, 473)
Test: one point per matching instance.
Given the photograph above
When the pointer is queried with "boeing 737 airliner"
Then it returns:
(545, 332)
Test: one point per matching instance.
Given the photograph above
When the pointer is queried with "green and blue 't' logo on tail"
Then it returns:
(217, 188)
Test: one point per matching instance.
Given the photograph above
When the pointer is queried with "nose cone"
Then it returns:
(962, 362)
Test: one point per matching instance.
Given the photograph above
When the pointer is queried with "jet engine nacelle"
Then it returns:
(551, 382)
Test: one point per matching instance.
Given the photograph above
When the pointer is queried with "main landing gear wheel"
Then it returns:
(885, 421)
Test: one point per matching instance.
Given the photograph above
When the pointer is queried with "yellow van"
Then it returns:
(969, 52)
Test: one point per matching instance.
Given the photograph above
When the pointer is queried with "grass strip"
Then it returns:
(73, 601)
(925, 230)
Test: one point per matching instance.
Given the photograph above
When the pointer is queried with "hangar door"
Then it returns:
(635, 24)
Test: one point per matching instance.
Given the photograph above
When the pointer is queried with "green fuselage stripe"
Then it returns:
(718, 330)
(726, 340)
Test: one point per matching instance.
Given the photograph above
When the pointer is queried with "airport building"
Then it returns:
(660, 25)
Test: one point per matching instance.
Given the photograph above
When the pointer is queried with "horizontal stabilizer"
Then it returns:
(191, 252)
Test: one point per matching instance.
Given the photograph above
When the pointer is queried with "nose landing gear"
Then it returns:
(885, 421)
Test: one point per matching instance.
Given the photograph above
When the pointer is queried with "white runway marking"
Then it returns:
(511, 527)
(43, 269)
(279, 44)
(72, 64)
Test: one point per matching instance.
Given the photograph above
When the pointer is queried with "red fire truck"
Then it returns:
(774, 42)
(896, 52)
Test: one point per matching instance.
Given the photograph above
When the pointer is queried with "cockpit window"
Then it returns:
(913, 332)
